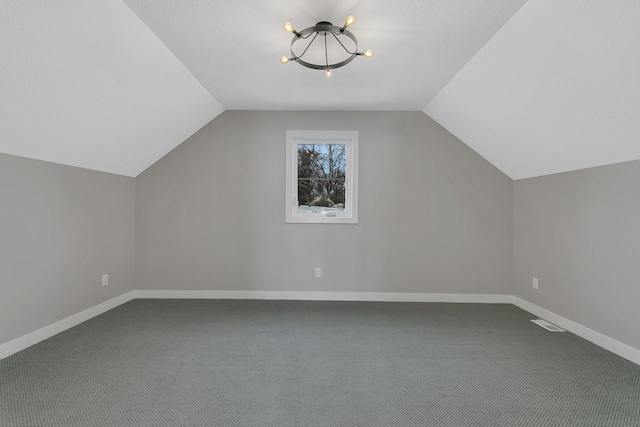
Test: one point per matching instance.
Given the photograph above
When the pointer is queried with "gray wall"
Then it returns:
(434, 215)
(579, 234)
(61, 228)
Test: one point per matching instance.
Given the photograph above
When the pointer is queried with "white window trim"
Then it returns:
(350, 216)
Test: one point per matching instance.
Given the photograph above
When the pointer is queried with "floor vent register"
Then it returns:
(548, 326)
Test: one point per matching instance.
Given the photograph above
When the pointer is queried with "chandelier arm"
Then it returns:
(305, 50)
(326, 52)
(344, 47)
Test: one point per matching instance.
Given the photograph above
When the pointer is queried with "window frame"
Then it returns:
(350, 139)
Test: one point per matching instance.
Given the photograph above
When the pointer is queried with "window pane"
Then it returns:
(321, 176)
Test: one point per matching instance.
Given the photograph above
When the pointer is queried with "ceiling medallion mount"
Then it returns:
(328, 33)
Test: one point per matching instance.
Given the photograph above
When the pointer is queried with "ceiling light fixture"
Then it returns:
(329, 32)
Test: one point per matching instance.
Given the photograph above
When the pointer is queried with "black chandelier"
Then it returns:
(326, 30)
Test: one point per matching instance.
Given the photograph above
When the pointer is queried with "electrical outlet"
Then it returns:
(105, 279)
(318, 272)
(535, 283)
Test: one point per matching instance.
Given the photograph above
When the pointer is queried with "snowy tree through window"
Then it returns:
(321, 178)
(322, 171)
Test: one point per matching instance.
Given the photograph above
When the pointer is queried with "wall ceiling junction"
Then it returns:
(535, 87)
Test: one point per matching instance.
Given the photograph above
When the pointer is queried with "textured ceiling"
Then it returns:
(556, 89)
(233, 48)
(535, 87)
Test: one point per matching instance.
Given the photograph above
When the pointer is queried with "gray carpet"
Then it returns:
(300, 363)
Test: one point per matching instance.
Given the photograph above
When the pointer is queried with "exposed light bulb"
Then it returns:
(284, 59)
(289, 28)
(350, 20)
(328, 73)
(368, 53)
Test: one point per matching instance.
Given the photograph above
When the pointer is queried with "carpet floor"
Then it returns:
(310, 363)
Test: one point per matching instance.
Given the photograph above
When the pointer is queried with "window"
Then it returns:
(322, 177)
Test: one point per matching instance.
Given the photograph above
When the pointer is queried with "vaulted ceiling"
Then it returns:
(536, 87)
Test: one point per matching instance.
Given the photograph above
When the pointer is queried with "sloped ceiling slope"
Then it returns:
(233, 48)
(87, 84)
(556, 89)
(113, 86)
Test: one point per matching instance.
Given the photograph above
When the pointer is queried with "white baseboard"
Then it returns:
(327, 296)
(19, 344)
(42, 334)
(621, 349)
(601, 340)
